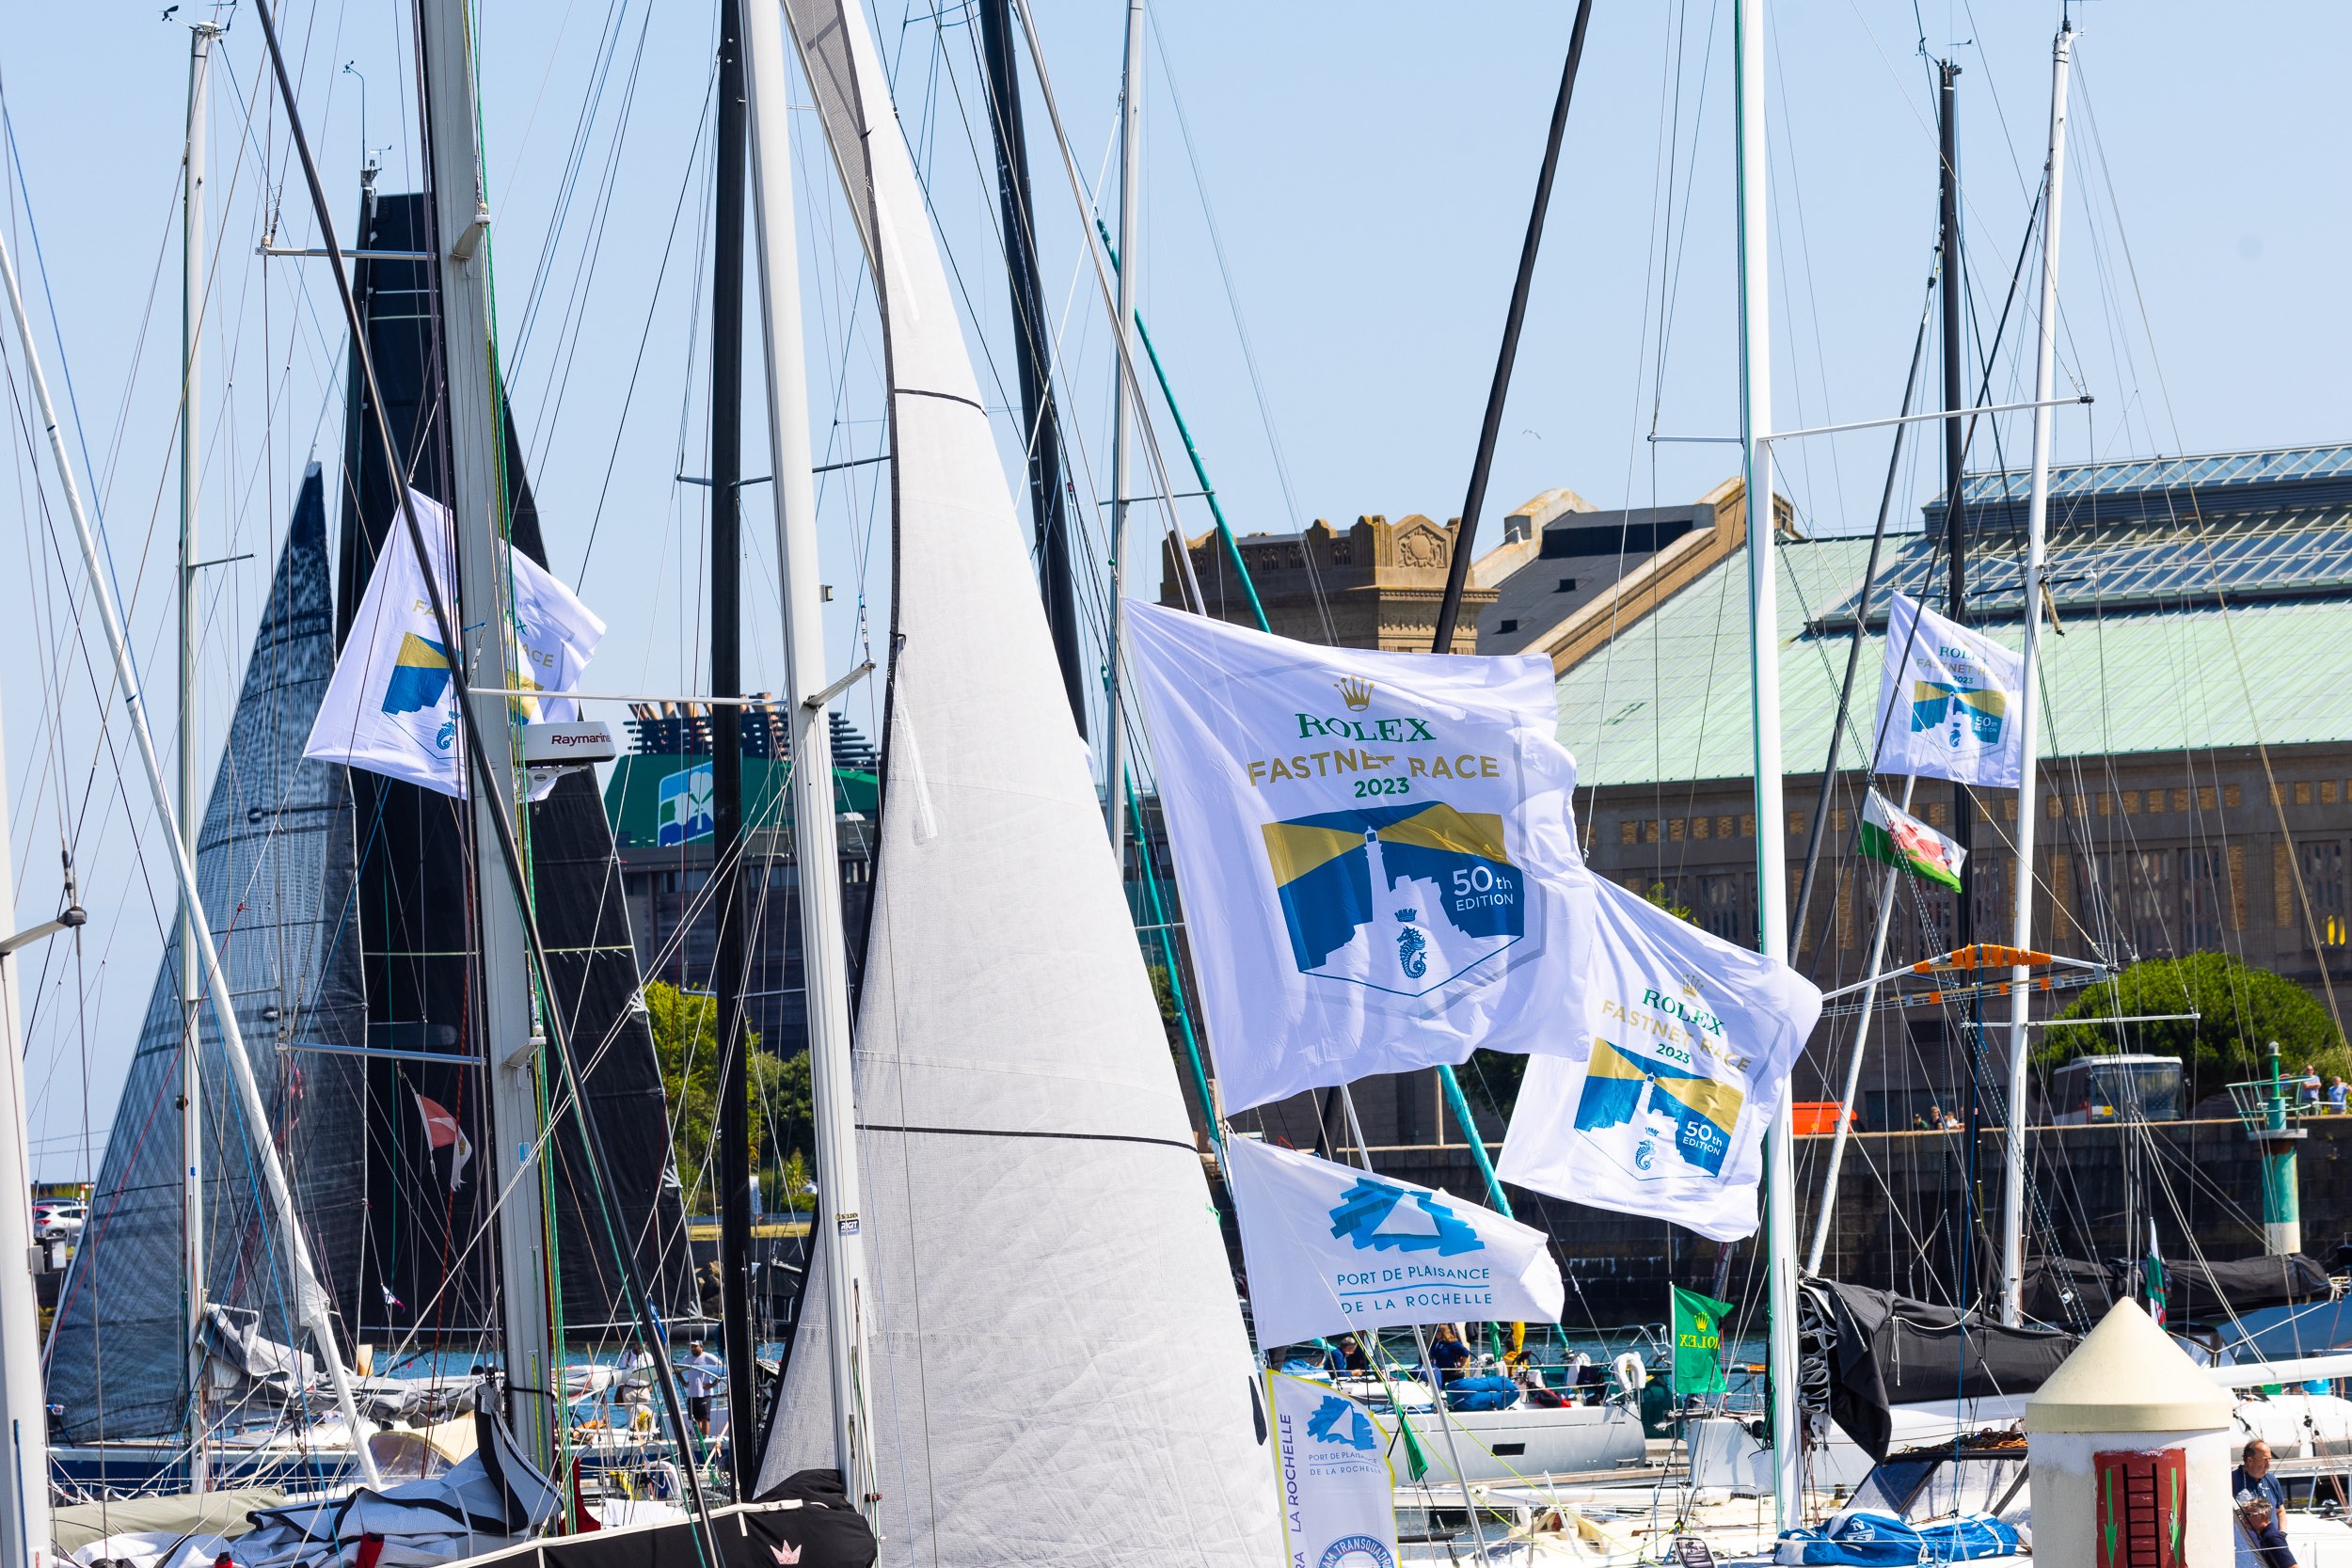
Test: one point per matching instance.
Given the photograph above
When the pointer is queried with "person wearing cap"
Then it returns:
(700, 1373)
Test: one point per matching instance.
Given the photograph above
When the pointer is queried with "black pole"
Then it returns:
(726, 748)
(1955, 454)
(1853, 658)
(1032, 348)
(1458, 570)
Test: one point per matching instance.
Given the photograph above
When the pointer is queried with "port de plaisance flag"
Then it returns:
(1331, 1249)
(1892, 835)
(390, 706)
(1948, 703)
(1375, 850)
(1686, 1044)
(1331, 1465)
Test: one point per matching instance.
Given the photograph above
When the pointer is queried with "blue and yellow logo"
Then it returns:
(1400, 897)
(1622, 1091)
(1335, 1421)
(1978, 711)
(420, 675)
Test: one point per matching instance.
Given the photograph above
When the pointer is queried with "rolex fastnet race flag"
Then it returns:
(1948, 703)
(1331, 1249)
(1892, 835)
(1375, 850)
(392, 707)
(1685, 1042)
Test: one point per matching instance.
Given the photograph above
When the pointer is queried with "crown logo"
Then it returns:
(1691, 986)
(1356, 693)
(1407, 916)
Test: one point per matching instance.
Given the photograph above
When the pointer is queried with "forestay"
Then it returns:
(1057, 1371)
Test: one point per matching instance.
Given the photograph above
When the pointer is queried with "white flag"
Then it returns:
(1339, 1508)
(1686, 1044)
(391, 706)
(1950, 702)
(1331, 1249)
(1376, 853)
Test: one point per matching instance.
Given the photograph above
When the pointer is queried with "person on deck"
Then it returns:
(2311, 1086)
(700, 1373)
(2339, 1093)
(1447, 1354)
(2261, 1504)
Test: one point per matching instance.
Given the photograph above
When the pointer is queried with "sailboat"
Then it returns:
(1055, 1368)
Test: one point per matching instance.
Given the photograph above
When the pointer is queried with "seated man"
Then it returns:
(2260, 1506)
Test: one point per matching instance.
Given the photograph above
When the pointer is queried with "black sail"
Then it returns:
(429, 1269)
(274, 865)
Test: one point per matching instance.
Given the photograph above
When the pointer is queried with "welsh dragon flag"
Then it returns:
(1892, 835)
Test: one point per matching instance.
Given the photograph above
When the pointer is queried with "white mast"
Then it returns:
(311, 1304)
(191, 983)
(1771, 870)
(2028, 803)
(511, 1048)
(825, 983)
(1122, 433)
(24, 1506)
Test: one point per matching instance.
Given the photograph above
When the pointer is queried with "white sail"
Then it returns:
(1058, 1371)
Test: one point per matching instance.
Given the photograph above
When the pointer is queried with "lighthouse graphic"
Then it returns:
(1401, 898)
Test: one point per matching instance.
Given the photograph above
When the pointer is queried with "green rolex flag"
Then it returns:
(1698, 1324)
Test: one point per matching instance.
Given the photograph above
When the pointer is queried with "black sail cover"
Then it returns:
(273, 867)
(1884, 1350)
(426, 1273)
(2058, 1288)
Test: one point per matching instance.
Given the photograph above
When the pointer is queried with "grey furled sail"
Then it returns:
(275, 866)
(1058, 1370)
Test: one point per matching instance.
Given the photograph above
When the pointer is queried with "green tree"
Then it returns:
(685, 1043)
(2239, 1009)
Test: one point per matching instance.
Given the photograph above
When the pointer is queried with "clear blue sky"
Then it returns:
(1368, 170)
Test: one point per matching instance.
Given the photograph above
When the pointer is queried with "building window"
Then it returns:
(2327, 792)
(1649, 829)
(1723, 827)
(1747, 824)
(1673, 829)
(2202, 893)
(1796, 822)
(1567, 585)
(2130, 802)
(2323, 883)
(1701, 826)
(1845, 912)
(2106, 804)
(1837, 819)
(1727, 906)
(2302, 792)
(1938, 813)
(2231, 796)
(1628, 830)
(2237, 887)
(2134, 883)
(2282, 884)
(1988, 892)
(1506, 625)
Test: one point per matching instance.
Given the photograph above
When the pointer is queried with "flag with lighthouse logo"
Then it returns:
(1375, 850)
(392, 704)
(1686, 1043)
(1950, 702)
(1331, 1463)
(1331, 1249)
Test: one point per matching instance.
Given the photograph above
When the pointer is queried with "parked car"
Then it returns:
(58, 1222)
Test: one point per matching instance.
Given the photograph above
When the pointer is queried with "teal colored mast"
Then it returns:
(1455, 1099)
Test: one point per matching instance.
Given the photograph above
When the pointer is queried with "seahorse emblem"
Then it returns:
(1412, 948)
(448, 733)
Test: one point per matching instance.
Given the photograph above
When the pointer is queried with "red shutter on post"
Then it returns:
(2143, 1502)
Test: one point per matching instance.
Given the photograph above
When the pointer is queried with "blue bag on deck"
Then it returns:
(1481, 1393)
(1868, 1539)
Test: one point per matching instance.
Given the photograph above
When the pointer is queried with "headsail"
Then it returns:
(274, 860)
(1059, 1372)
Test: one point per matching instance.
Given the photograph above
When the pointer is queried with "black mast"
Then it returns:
(1458, 570)
(1955, 454)
(726, 747)
(1032, 348)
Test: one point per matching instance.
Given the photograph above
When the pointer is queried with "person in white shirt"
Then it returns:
(700, 1372)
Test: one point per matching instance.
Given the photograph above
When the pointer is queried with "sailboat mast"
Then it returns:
(23, 1406)
(311, 1304)
(1955, 457)
(1771, 890)
(1033, 348)
(2028, 802)
(191, 983)
(824, 964)
(726, 744)
(1123, 429)
(511, 1036)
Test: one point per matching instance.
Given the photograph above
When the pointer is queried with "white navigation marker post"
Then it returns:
(2029, 715)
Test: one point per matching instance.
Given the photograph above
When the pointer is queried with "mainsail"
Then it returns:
(1058, 1370)
(273, 861)
(425, 1276)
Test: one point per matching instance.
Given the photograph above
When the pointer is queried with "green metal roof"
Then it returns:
(1667, 699)
(639, 805)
